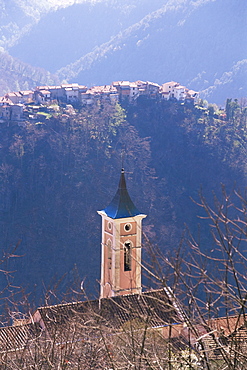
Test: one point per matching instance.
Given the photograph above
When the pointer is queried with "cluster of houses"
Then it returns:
(13, 105)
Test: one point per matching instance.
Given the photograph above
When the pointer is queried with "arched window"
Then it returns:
(109, 253)
(127, 255)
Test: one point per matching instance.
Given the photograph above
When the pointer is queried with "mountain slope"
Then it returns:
(234, 81)
(96, 42)
(17, 17)
(69, 33)
(16, 75)
(173, 43)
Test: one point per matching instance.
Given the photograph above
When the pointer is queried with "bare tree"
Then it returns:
(205, 285)
(208, 282)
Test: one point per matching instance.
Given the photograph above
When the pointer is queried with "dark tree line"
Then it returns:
(55, 176)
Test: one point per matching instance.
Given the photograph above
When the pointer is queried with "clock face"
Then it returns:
(127, 227)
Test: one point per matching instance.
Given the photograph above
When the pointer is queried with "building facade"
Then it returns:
(121, 245)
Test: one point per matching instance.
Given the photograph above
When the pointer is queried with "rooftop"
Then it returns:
(121, 205)
(14, 338)
(153, 307)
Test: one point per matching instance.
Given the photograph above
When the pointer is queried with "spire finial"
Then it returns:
(122, 158)
(121, 205)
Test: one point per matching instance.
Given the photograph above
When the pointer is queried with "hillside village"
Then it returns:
(42, 101)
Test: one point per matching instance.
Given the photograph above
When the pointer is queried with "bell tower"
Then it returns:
(121, 245)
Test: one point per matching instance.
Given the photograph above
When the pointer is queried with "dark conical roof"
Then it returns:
(121, 205)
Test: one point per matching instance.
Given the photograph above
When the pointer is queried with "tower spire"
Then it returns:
(122, 157)
(121, 205)
(121, 245)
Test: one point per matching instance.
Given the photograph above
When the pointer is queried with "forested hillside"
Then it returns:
(55, 176)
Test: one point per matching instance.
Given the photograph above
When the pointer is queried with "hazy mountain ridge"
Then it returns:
(188, 49)
(14, 23)
(116, 43)
(16, 75)
(88, 25)
(235, 79)
(96, 42)
(18, 17)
